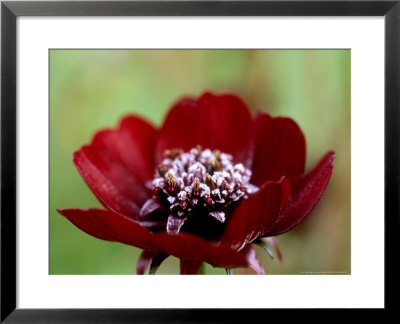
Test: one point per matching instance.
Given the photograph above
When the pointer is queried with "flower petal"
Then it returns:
(309, 192)
(279, 150)
(190, 267)
(132, 145)
(189, 247)
(179, 129)
(110, 181)
(227, 122)
(256, 215)
(254, 263)
(144, 261)
(109, 226)
(220, 122)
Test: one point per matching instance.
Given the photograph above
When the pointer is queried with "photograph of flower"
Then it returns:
(199, 162)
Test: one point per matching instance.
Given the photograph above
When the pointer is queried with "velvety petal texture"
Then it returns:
(109, 226)
(256, 215)
(115, 187)
(189, 247)
(132, 144)
(307, 196)
(279, 150)
(220, 122)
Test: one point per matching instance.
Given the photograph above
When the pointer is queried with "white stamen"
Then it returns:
(171, 199)
(182, 195)
(192, 193)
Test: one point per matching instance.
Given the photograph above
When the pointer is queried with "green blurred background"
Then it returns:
(91, 89)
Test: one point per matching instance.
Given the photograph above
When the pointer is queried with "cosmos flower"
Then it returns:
(205, 187)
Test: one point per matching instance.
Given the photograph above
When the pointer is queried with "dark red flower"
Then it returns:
(203, 188)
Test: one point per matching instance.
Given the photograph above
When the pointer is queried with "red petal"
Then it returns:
(109, 226)
(190, 267)
(220, 122)
(144, 261)
(179, 129)
(132, 145)
(279, 150)
(189, 247)
(309, 192)
(255, 216)
(110, 181)
(253, 261)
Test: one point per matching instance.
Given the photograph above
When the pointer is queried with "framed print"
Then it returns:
(254, 139)
(194, 188)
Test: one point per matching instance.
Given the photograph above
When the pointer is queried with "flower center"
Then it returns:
(199, 183)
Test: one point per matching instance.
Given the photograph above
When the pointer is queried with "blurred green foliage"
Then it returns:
(93, 89)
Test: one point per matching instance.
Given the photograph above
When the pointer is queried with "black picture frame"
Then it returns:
(10, 10)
